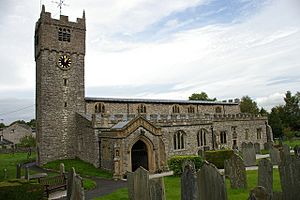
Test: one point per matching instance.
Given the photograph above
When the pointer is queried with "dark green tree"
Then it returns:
(275, 121)
(201, 97)
(18, 121)
(291, 115)
(31, 123)
(27, 141)
(263, 112)
(2, 125)
(247, 105)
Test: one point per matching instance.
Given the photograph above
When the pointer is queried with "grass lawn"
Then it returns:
(83, 168)
(88, 184)
(292, 143)
(172, 188)
(9, 162)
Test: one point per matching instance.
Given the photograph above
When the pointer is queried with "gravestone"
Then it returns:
(236, 171)
(27, 173)
(286, 151)
(274, 155)
(265, 175)
(157, 189)
(62, 168)
(75, 190)
(259, 193)
(267, 145)
(289, 171)
(297, 151)
(249, 155)
(18, 173)
(257, 148)
(70, 178)
(189, 189)
(201, 153)
(138, 184)
(211, 184)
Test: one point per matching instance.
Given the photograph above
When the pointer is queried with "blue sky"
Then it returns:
(165, 49)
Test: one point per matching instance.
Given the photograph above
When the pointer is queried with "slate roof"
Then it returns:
(120, 125)
(160, 101)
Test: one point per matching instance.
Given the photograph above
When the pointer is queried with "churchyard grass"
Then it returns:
(9, 161)
(82, 168)
(172, 188)
(88, 184)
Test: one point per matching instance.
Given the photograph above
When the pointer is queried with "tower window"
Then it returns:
(201, 137)
(99, 108)
(64, 35)
(223, 137)
(66, 104)
(142, 108)
(258, 132)
(65, 82)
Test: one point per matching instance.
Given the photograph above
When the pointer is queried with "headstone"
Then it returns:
(277, 195)
(211, 184)
(249, 155)
(297, 151)
(289, 171)
(257, 148)
(286, 151)
(5, 173)
(265, 175)
(26, 173)
(62, 168)
(189, 190)
(157, 189)
(70, 179)
(274, 155)
(259, 193)
(267, 145)
(201, 153)
(138, 184)
(236, 171)
(18, 173)
(75, 190)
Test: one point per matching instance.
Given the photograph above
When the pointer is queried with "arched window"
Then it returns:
(218, 109)
(223, 137)
(258, 133)
(191, 109)
(64, 35)
(99, 108)
(178, 140)
(201, 137)
(142, 108)
(175, 109)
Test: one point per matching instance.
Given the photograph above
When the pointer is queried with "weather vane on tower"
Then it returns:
(60, 4)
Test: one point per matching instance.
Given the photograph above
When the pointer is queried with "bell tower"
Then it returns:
(59, 57)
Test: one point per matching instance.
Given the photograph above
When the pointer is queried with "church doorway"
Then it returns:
(139, 156)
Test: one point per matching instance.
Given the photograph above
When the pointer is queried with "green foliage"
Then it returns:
(288, 133)
(31, 123)
(201, 97)
(291, 111)
(21, 190)
(19, 122)
(218, 157)
(263, 112)
(247, 105)
(2, 126)
(9, 162)
(81, 167)
(27, 141)
(175, 163)
(89, 184)
(275, 121)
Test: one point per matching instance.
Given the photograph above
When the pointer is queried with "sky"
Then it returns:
(161, 49)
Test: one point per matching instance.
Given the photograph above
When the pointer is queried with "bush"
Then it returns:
(175, 163)
(218, 157)
(21, 190)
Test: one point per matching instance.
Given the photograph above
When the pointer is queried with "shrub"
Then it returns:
(218, 157)
(21, 190)
(175, 163)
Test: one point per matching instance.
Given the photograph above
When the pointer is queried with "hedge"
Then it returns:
(17, 189)
(218, 157)
(175, 163)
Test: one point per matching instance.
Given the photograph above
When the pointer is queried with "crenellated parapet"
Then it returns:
(240, 116)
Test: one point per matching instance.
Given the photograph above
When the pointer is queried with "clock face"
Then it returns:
(64, 62)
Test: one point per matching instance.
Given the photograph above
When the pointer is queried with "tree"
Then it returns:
(27, 141)
(247, 105)
(31, 123)
(2, 125)
(263, 112)
(291, 116)
(201, 97)
(275, 121)
(18, 121)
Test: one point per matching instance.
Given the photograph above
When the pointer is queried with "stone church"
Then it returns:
(115, 133)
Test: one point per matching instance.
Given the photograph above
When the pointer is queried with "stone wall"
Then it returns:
(15, 132)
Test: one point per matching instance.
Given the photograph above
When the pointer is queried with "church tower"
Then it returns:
(59, 57)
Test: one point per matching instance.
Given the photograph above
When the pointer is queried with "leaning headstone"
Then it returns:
(286, 151)
(62, 168)
(257, 148)
(18, 173)
(5, 173)
(289, 171)
(189, 190)
(157, 189)
(265, 175)
(274, 155)
(77, 189)
(297, 151)
(138, 185)
(259, 193)
(26, 173)
(70, 179)
(236, 171)
(249, 155)
(211, 184)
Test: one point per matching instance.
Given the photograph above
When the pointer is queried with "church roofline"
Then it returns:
(162, 101)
